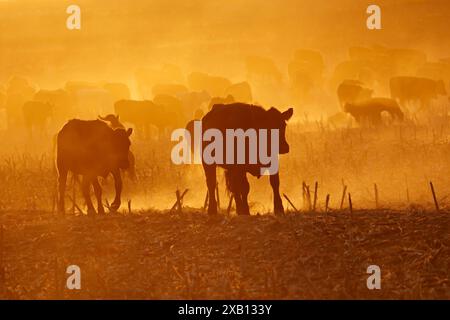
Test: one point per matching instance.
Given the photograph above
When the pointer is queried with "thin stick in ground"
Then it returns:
(436, 204)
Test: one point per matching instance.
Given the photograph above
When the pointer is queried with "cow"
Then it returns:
(371, 110)
(93, 149)
(143, 114)
(61, 102)
(243, 116)
(214, 85)
(353, 91)
(241, 91)
(219, 100)
(18, 91)
(118, 91)
(192, 101)
(414, 89)
(169, 89)
(263, 70)
(146, 78)
(114, 122)
(37, 115)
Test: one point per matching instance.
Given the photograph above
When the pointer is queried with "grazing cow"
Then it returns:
(243, 116)
(353, 91)
(413, 89)
(370, 110)
(36, 115)
(115, 123)
(91, 149)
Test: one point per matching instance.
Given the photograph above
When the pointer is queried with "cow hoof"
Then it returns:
(91, 213)
(279, 211)
(114, 207)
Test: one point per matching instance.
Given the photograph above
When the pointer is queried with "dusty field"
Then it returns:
(159, 255)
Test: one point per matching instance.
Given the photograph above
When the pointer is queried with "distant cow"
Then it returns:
(37, 115)
(219, 100)
(144, 114)
(61, 101)
(244, 116)
(91, 149)
(353, 91)
(413, 89)
(241, 91)
(169, 89)
(214, 85)
(115, 123)
(118, 91)
(370, 110)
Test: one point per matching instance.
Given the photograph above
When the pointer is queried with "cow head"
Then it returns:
(277, 120)
(122, 146)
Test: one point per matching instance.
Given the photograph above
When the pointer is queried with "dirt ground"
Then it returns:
(163, 255)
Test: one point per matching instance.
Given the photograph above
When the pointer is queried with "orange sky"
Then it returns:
(117, 36)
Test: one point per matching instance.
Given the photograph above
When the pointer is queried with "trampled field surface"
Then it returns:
(156, 255)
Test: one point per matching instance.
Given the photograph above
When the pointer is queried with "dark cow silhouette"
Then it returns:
(115, 123)
(37, 115)
(91, 149)
(414, 89)
(370, 110)
(353, 91)
(244, 116)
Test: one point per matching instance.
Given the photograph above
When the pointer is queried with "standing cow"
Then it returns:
(243, 116)
(114, 122)
(92, 149)
(37, 116)
(414, 89)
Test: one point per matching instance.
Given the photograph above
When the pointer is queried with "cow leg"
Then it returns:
(244, 190)
(233, 181)
(118, 186)
(210, 173)
(62, 180)
(85, 188)
(98, 195)
(277, 203)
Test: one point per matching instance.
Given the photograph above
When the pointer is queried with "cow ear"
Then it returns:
(288, 114)
(129, 131)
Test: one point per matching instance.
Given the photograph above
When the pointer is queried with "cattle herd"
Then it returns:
(374, 86)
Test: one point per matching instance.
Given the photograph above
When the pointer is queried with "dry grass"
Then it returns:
(155, 255)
